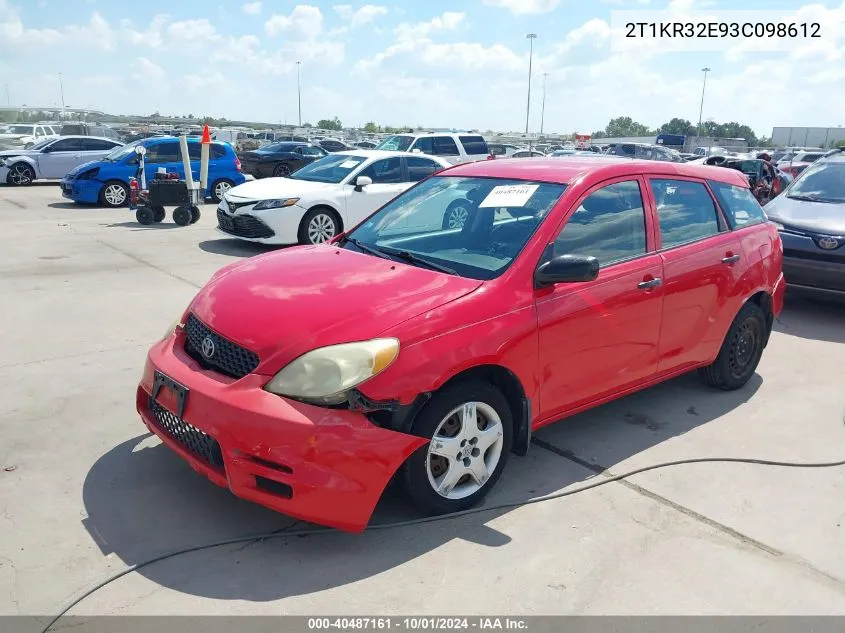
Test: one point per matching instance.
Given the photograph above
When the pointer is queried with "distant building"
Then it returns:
(807, 136)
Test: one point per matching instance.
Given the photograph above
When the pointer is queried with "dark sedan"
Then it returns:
(279, 159)
(810, 216)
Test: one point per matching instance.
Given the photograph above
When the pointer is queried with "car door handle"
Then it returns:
(651, 283)
(731, 259)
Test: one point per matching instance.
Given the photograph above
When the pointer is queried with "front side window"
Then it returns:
(424, 144)
(685, 210)
(397, 143)
(387, 171)
(609, 225)
(739, 204)
(498, 217)
(163, 153)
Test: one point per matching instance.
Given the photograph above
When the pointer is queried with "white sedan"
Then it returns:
(322, 199)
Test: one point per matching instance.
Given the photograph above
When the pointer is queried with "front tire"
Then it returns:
(114, 194)
(20, 175)
(741, 350)
(471, 430)
(318, 226)
(195, 215)
(158, 214)
(182, 216)
(456, 214)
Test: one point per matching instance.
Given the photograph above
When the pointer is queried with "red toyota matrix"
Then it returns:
(428, 342)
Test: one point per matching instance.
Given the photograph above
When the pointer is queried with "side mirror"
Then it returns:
(361, 182)
(566, 268)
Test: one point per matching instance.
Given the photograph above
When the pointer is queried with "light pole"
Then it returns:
(531, 37)
(8, 98)
(705, 70)
(543, 109)
(62, 89)
(299, 92)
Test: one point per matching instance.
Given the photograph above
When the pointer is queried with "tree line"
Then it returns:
(626, 126)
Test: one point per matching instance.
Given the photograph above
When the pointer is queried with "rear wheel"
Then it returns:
(145, 215)
(114, 194)
(280, 171)
(158, 214)
(219, 189)
(471, 430)
(20, 174)
(195, 215)
(741, 350)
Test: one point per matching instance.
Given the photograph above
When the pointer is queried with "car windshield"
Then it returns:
(397, 143)
(823, 182)
(474, 227)
(121, 152)
(42, 143)
(331, 169)
(18, 129)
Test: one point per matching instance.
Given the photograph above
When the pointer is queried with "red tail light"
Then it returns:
(237, 163)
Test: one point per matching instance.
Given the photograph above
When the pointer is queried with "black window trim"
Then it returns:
(649, 246)
(724, 226)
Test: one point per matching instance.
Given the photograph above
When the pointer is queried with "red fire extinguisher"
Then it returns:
(134, 190)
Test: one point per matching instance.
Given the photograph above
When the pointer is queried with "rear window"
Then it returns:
(474, 145)
(739, 204)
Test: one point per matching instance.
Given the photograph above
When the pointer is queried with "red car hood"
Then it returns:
(285, 303)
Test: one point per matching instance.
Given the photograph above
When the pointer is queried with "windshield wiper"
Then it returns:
(366, 248)
(411, 258)
(810, 199)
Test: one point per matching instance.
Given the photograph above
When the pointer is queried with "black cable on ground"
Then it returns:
(440, 517)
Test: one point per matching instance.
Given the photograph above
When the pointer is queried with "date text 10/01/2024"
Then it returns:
(421, 623)
(722, 29)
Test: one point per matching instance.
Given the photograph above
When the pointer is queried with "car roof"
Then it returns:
(385, 153)
(564, 170)
(96, 138)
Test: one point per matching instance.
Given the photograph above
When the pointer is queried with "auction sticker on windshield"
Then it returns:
(509, 196)
(349, 164)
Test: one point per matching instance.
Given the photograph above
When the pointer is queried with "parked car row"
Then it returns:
(52, 157)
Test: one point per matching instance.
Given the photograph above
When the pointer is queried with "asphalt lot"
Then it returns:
(84, 490)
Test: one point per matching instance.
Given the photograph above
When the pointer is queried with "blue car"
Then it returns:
(107, 180)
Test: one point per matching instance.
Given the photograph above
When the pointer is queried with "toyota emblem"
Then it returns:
(828, 243)
(207, 347)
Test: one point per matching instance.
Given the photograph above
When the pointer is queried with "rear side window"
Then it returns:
(419, 168)
(218, 151)
(67, 145)
(474, 144)
(96, 144)
(685, 210)
(387, 171)
(739, 204)
(445, 146)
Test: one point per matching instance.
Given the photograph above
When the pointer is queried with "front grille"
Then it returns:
(196, 442)
(227, 357)
(243, 225)
(237, 205)
(836, 256)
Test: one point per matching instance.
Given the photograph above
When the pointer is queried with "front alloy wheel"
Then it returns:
(470, 427)
(465, 450)
(114, 194)
(20, 174)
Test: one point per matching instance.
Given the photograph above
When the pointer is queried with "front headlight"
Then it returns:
(324, 375)
(275, 204)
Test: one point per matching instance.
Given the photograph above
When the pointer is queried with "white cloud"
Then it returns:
(96, 33)
(448, 21)
(148, 70)
(362, 16)
(305, 21)
(521, 7)
(252, 8)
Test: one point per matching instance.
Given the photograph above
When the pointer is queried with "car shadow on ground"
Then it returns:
(811, 318)
(137, 226)
(236, 248)
(142, 500)
(74, 205)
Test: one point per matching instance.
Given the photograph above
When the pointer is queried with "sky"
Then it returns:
(461, 64)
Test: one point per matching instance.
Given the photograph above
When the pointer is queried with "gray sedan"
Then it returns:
(810, 216)
(52, 158)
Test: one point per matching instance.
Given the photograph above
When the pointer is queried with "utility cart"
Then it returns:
(167, 190)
